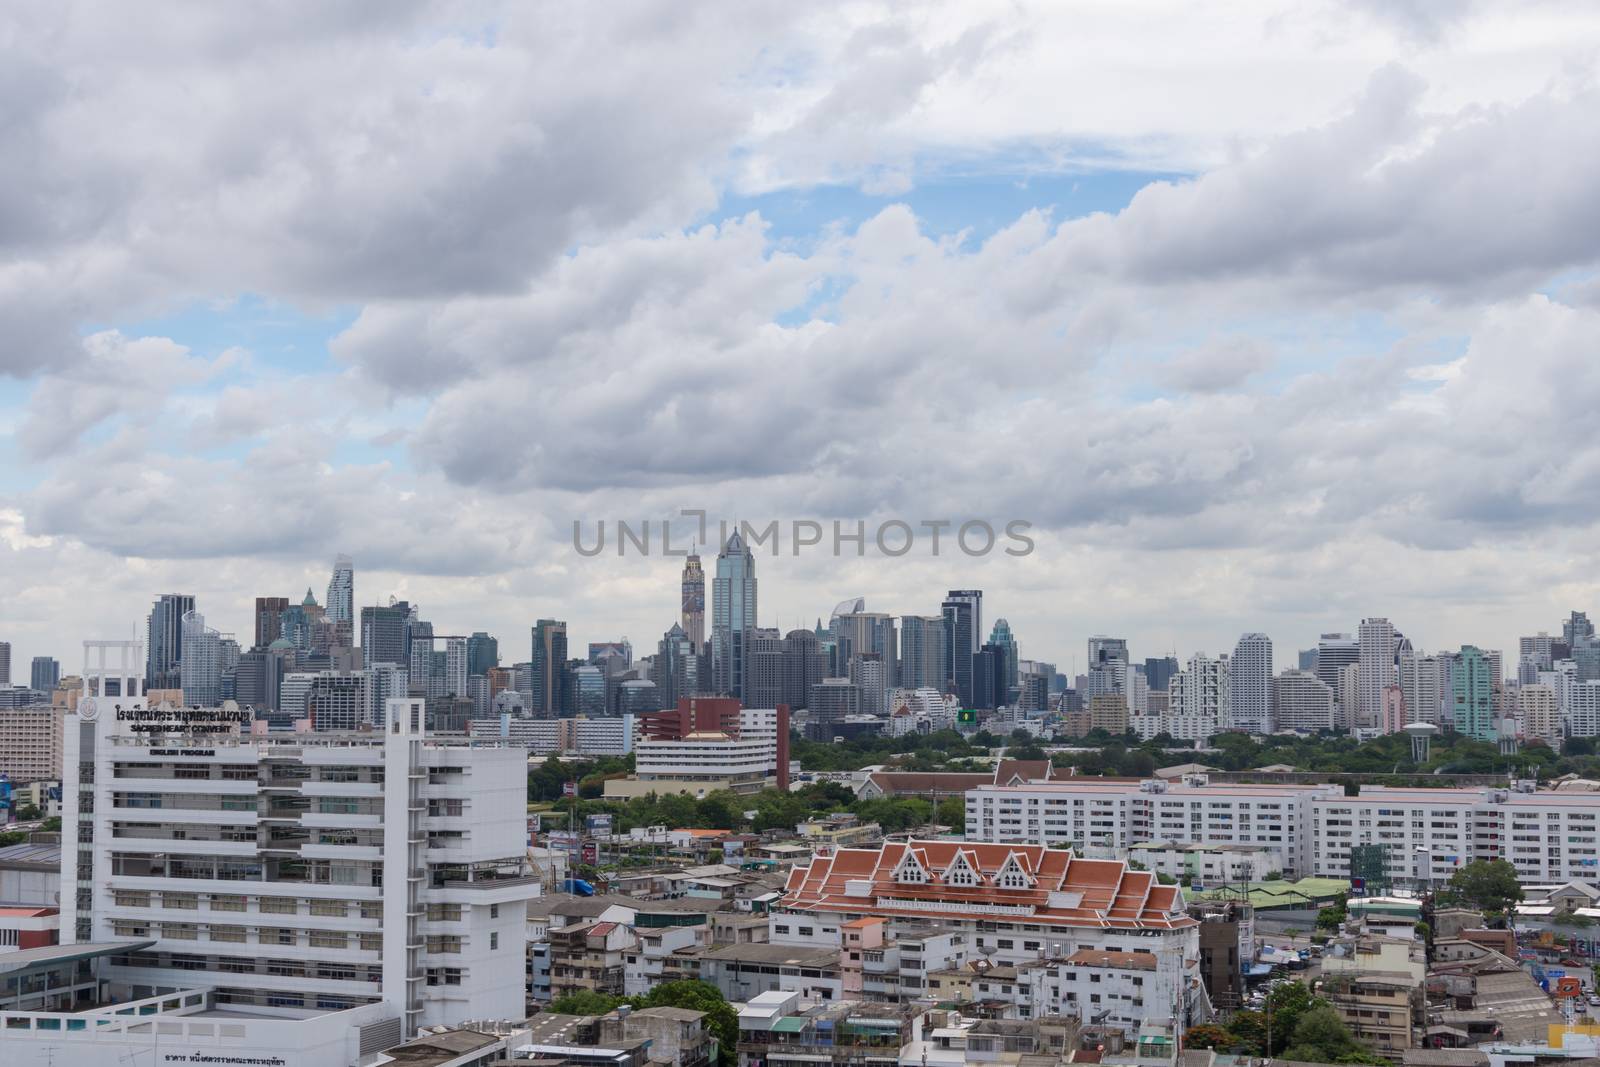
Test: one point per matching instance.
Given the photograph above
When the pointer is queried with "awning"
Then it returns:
(789, 1024)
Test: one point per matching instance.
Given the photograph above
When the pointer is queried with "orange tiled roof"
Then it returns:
(1066, 890)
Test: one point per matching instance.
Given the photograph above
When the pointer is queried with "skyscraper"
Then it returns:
(1473, 714)
(1334, 653)
(1250, 688)
(383, 635)
(1108, 666)
(694, 602)
(733, 614)
(676, 670)
(483, 653)
(45, 674)
(963, 628)
(1376, 649)
(5, 663)
(1577, 628)
(549, 667)
(164, 641)
(1002, 637)
(860, 632)
(1159, 671)
(803, 667)
(202, 662)
(455, 667)
(342, 590)
(269, 619)
(763, 668)
(922, 652)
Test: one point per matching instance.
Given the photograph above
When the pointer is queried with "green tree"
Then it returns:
(953, 813)
(1247, 1033)
(584, 1002)
(1489, 885)
(721, 1019)
(1205, 1035)
(1320, 1036)
(1333, 916)
(27, 813)
(1286, 1005)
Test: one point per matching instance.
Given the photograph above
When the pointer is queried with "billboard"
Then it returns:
(967, 717)
(566, 841)
(599, 825)
(591, 852)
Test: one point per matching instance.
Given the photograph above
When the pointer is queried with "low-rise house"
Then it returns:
(589, 956)
(676, 1036)
(745, 971)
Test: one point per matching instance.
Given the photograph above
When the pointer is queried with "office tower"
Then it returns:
(763, 668)
(1033, 685)
(858, 632)
(1334, 653)
(342, 590)
(988, 677)
(1473, 689)
(419, 657)
(963, 628)
(455, 667)
(383, 634)
(483, 654)
(922, 652)
(635, 696)
(1250, 687)
(1138, 701)
(1002, 637)
(1108, 666)
(1376, 656)
(5, 664)
(803, 667)
(733, 614)
(1158, 672)
(259, 677)
(339, 701)
(694, 602)
(612, 655)
(1308, 659)
(1576, 628)
(549, 666)
(164, 641)
(589, 691)
(677, 667)
(1301, 702)
(867, 674)
(202, 662)
(1419, 681)
(833, 699)
(305, 625)
(44, 673)
(269, 619)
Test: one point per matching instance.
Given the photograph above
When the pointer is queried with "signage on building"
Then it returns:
(599, 825)
(170, 720)
(591, 853)
(569, 789)
(967, 716)
(566, 841)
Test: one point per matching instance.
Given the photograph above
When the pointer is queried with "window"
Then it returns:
(328, 907)
(494, 941)
(328, 939)
(279, 905)
(444, 943)
(494, 911)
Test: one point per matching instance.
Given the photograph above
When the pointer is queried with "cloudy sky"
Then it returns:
(1268, 317)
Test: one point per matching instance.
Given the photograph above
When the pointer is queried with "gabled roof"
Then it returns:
(1067, 891)
(1022, 771)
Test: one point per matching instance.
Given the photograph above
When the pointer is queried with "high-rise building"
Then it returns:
(1349, 694)
(455, 667)
(694, 602)
(803, 667)
(1376, 656)
(989, 677)
(1308, 660)
(833, 699)
(589, 691)
(483, 653)
(1002, 637)
(269, 619)
(384, 634)
(44, 674)
(922, 652)
(1537, 649)
(342, 590)
(1538, 718)
(423, 917)
(1334, 653)
(5, 663)
(860, 633)
(1158, 672)
(763, 668)
(1473, 713)
(1419, 681)
(963, 634)
(203, 662)
(549, 665)
(339, 701)
(164, 641)
(1200, 694)
(733, 614)
(1301, 702)
(1576, 628)
(1250, 687)
(425, 681)
(676, 671)
(867, 674)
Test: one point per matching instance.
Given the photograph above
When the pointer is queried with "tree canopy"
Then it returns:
(1488, 885)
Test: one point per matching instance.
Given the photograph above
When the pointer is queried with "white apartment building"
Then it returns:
(295, 874)
(1376, 669)
(1250, 684)
(1209, 865)
(1538, 719)
(1583, 712)
(702, 762)
(1302, 702)
(1118, 815)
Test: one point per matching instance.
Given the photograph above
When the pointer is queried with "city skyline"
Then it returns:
(1231, 337)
